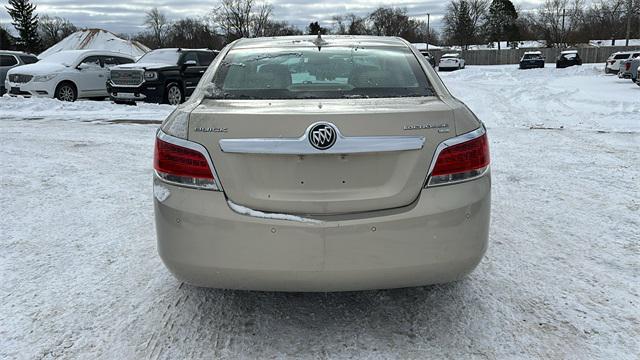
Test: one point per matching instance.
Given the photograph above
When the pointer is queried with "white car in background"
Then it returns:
(66, 75)
(615, 61)
(451, 61)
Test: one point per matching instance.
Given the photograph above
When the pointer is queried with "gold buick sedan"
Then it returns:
(328, 163)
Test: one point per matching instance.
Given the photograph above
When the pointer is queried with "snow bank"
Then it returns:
(423, 46)
(579, 97)
(82, 110)
(617, 42)
(97, 39)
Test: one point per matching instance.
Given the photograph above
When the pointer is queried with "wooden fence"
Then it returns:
(512, 56)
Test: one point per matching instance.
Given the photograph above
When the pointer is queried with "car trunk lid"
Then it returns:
(265, 161)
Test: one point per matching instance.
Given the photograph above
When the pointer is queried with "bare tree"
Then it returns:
(458, 24)
(261, 19)
(52, 29)
(349, 24)
(241, 18)
(157, 23)
(556, 21)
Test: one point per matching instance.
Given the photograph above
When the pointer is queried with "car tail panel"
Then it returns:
(367, 155)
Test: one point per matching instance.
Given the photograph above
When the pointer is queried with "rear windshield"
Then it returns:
(621, 56)
(325, 73)
(532, 56)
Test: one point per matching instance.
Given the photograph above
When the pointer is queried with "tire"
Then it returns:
(66, 91)
(173, 94)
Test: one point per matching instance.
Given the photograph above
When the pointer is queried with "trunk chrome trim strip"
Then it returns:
(193, 146)
(302, 146)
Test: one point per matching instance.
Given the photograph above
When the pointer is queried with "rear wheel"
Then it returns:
(66, 91)
(173, 94)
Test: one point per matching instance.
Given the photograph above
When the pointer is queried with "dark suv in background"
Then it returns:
(568, 58)
(532, 59)
(11, 59)
(160, 76)
(430, 58)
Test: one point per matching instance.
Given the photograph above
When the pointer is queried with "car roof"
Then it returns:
(12, 52)
(533, 52)
(569, 52)
(183, 49)
(451, 54)
(312, 41)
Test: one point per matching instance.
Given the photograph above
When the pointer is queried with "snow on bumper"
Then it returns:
(31, 88)
(439, 238)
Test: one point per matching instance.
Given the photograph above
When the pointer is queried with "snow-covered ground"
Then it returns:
(80, 277)
(19, 108)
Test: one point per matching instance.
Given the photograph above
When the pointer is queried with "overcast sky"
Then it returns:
(122, 16)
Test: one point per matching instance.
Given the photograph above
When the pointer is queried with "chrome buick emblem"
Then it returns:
(322, 136)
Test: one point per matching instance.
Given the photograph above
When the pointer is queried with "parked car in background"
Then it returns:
(616, 61)
(532, 59)
(258, 188)
(430, 58)
(11, 59)
(568, 58)
(160, 76)
(625, 69)
(635, 70)
(451, 61)
(66, 75)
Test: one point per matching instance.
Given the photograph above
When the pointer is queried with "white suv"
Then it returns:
(66, 75)
(615, 61)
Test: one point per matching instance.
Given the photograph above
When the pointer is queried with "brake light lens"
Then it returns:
(182, 165)
(461, 162)
(627, 66)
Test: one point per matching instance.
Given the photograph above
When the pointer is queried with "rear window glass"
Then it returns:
(532, 56)
(8, 60)
(326, 73)
(29, 59)
(621, 56)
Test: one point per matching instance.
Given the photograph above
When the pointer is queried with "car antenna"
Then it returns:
(319, 41)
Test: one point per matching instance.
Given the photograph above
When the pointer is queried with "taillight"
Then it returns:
(183, 163)
(462, 160)
(627, 66)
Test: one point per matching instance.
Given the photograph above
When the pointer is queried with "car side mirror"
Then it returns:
(83, 66)
(190, 63)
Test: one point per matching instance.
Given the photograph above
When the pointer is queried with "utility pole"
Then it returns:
(429, 30)
(629, 11)
(563, 34)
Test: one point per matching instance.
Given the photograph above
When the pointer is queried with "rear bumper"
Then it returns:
(147, 92)
(449, 67)
(439, 238)
(531, 65)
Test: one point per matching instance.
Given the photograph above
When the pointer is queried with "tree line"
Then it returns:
(465, 22)
(559, 23)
